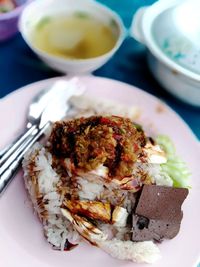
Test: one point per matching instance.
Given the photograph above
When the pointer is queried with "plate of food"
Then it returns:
(114, 183)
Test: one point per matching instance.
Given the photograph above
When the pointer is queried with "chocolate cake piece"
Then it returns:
(158, 213)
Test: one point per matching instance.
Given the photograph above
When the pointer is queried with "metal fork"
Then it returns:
(35, 110)
(56, 109)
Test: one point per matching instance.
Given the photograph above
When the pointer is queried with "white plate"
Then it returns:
(21, 238)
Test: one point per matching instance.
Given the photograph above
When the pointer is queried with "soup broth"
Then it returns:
(77, 36)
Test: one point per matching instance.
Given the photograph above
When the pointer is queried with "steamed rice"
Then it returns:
(41, 182)
(46, 190)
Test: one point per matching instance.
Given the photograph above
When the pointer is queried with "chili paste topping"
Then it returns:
(112, 141)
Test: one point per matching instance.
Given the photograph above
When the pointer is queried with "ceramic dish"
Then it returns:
(22, 243)
(9, 20)
(170, 31)
(40, 9)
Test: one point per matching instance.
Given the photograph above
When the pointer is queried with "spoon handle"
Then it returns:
(7, 175)
(8, 151)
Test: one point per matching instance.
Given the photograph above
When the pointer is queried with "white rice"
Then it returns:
(41, 181)
(87, 106)
(89, 190)
(56, 228)
(155, 172)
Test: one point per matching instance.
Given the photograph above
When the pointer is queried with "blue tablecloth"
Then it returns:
(19, 66)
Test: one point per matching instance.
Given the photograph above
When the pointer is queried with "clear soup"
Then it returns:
(77, 36)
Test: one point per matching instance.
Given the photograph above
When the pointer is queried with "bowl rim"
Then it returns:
(148, 19)
(122, 35)
(15, 12)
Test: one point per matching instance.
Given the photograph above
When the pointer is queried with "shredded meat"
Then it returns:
(112, 141)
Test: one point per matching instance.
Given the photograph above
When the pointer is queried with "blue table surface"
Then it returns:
(20, 66)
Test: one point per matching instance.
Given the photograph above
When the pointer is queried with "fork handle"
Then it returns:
(9, 173)
(8, 151)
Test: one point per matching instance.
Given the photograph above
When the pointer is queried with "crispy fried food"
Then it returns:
(92, 209)
(85, 228)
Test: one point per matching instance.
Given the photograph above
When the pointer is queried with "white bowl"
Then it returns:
(39, 9)
(170, 31)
